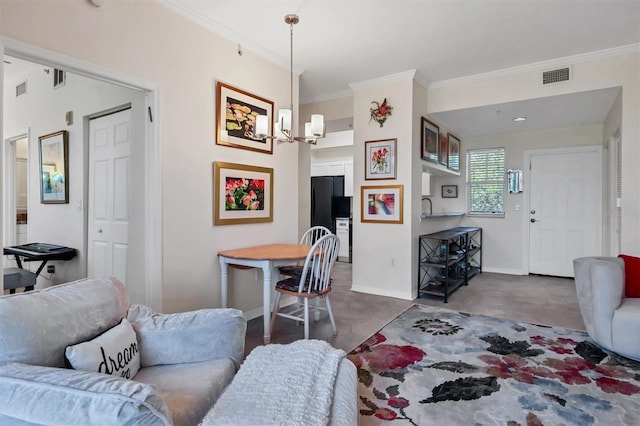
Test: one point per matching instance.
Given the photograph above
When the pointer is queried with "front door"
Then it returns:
(565, 209)
(109, 154)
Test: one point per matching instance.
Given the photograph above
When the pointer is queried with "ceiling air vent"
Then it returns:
(556, 76)
(21, 89)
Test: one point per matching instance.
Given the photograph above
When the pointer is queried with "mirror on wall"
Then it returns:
(514, 181)
(54, 168)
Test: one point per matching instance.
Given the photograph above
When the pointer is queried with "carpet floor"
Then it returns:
(435, 366)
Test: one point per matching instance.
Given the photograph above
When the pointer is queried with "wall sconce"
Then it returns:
(514, 181)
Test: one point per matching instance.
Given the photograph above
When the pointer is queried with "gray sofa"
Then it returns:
(187, 359)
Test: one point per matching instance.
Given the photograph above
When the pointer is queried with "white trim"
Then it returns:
(392, 78)
(153, 179)
(527, 190)
(506, 271)
(347, 93)
(538, 66)
(9, 197)
(382, 292)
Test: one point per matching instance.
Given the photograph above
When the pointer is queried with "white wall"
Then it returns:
(598, 70)
(42, 111)
(147, 41)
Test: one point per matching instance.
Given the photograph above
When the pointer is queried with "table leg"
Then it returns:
(266, 301)
(224, 282)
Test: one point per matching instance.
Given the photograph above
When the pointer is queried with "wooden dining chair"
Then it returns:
(313, 284)
(312, 235)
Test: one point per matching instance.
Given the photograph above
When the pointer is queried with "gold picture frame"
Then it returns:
(381, 204)
(235, 119)
(242, 194)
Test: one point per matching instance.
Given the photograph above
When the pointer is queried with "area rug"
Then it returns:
(434, 366)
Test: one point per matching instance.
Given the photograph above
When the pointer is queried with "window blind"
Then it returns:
(485, 182)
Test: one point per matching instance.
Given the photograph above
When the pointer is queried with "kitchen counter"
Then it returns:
(445, 214)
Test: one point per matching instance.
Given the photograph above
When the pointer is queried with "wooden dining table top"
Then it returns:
(268, 252)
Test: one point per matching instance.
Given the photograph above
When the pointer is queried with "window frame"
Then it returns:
(501, 182)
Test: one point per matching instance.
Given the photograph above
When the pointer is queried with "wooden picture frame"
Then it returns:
(454, 153)
(449, 191)
(54, 168)
(380, 159)
(381, 204)
(430, 138)
(443, 150)
(242, 194)
(236, 117)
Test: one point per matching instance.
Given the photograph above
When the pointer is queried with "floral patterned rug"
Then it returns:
(434, 366)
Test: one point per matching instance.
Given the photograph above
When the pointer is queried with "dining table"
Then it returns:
(268, 258)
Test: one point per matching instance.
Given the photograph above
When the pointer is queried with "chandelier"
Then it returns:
(313, 130)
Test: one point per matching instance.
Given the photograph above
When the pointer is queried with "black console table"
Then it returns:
(447, 260)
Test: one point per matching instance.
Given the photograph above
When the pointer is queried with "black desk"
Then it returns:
(40, 252)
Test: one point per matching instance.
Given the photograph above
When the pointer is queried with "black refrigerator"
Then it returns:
(328, 201)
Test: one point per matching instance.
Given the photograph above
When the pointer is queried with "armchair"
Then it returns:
(612, 320)
(186, 359)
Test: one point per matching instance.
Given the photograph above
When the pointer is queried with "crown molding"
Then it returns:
(228, 34)
(535, 66)
(420, 78)
(347, 93)
(380, 81)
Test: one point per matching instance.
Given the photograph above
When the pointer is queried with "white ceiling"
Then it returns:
(339, 42)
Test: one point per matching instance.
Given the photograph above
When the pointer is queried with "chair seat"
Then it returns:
(291, 270)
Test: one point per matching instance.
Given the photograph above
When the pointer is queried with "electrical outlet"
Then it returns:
(393, 262)
(51, 269)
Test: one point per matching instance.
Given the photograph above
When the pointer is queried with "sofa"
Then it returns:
(186, 360)
(612, 319)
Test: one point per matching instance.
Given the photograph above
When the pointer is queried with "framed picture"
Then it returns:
(449, 191)
(380, 159)
(242, 194)
(443, 151)
(430, 137)
(381, 204)
(54, 168)
(454, 153)
(236, 118)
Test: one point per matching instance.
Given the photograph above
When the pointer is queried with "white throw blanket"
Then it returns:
(281, 385)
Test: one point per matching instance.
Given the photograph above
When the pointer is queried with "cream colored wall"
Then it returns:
(147, 41)
(376, 244)
(590, 72)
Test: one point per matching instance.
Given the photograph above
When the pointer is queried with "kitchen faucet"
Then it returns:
(430, 204)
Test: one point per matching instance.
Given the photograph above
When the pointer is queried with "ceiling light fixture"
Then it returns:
(313, 130)
(516, 119)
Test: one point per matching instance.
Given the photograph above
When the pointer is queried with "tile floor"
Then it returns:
(536, 299)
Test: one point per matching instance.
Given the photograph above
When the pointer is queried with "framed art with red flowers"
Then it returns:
(380, 159)
(381, 204)
(236, 118)
(242, 194)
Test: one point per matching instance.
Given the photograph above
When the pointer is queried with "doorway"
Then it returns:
(16, 190)
(564, 219)
(148, 233)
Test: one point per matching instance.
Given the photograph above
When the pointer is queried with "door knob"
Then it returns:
(99, 231)
(532, 220)
(533, 211)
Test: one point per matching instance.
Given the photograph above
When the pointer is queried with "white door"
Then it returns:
(565, 219)
(108, 210)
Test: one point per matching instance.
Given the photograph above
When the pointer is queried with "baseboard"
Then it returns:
(381, 292)
(506, 271)
(257, 312)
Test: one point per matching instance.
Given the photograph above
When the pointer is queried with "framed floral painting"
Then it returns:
(381, 204)
(430, 138)
(443, 150)
(236, 118)
(242, 194)
(380, 159)
(454, 153)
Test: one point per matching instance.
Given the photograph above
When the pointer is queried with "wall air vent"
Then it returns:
(556, 76)
(59, 78)
(21, 89)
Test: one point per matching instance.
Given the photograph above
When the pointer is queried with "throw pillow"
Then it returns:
(631, 275)
(113, 352)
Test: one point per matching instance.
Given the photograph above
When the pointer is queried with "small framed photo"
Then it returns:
(430, 137)
(381, 204)
(454, 153)
(449, 191)
(242, 194)
(443, 150)
(236, 119)
(380, 159)
(54, 168)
